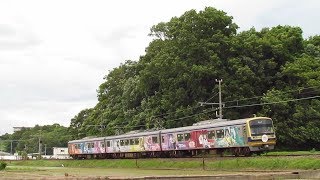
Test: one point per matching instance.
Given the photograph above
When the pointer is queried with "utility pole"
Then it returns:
(11, 144)
(11, 148)
(39, 143)
(220, 99)
(220, 116)
(39, 147)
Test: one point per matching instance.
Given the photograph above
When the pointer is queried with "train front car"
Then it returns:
(261, 134)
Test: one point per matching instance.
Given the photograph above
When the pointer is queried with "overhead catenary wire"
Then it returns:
(192, 107)
(268, 103)
(169, 113)
(229, 107)
(212, 97)
(282, 92)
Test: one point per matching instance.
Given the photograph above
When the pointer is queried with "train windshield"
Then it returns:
(261, 126)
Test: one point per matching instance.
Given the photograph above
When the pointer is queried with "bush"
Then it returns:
(3, 165)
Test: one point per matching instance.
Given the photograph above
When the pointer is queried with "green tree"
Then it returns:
(274, 66)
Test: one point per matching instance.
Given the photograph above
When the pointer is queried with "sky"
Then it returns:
(55, 53)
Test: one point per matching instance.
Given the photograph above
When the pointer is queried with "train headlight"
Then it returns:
(264, 138)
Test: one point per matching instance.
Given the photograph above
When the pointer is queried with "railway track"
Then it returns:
(206, 157)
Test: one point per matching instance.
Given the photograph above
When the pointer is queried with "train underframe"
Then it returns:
(236, 151)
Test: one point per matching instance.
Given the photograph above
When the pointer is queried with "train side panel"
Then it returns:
(230, 136)
(137, 144)
(220, 137)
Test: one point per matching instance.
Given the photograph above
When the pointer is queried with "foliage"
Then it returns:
(3, 165)
(27, 140)
(272, 72)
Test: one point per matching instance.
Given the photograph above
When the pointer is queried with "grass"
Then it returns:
(252, 163)
(288, 153)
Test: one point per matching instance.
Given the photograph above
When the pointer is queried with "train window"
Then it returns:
(211, 135)
(155, 139)
(108, 144)
(102, 144)
(126, 142)
(162, 139)
(131, 141)
(89, 145)
(180, 137)
(121, 143)
(136, 141)
(220, 133)
(186, 136)
(77, 146)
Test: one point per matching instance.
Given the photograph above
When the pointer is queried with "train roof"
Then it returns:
(208, 124)
(86, 139)
(117, 136)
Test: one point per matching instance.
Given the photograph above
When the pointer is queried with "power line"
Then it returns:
(193, 115)
(260, 104)
(154, 116)
(194, 107)
(229, 107)
(212, 97)
(282, 92)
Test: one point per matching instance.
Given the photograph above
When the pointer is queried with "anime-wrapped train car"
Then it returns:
(241, 137)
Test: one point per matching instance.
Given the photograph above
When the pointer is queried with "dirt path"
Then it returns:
(20, 172)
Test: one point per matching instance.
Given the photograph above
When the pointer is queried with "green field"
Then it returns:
(293, 153)
(241, 163)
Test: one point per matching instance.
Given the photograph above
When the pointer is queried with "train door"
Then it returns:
(203, 139)
(116, 145)
(244, 133)
(197, 138)
(109, 146)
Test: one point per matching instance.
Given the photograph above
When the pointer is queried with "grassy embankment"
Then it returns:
(253, 163)
(293, 153)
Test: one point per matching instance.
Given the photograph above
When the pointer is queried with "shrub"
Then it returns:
(3, 165)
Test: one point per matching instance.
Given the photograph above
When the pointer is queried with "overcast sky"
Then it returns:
(54, 54)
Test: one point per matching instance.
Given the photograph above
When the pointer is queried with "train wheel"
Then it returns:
(246, 151)
(236, 151)
(220, 152)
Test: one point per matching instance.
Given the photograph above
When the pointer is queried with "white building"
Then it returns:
(16, 129)
(60, 153)
(4, 153)
(8, 156)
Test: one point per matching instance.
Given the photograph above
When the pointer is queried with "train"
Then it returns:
(241, 137)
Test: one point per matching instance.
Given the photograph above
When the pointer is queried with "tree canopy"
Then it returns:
(27, 139)
(272, 72)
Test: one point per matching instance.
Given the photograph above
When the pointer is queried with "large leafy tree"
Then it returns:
(299, 119)
(270, 68)
(182, 63)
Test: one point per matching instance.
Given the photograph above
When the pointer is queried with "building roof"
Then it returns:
(4, 153)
